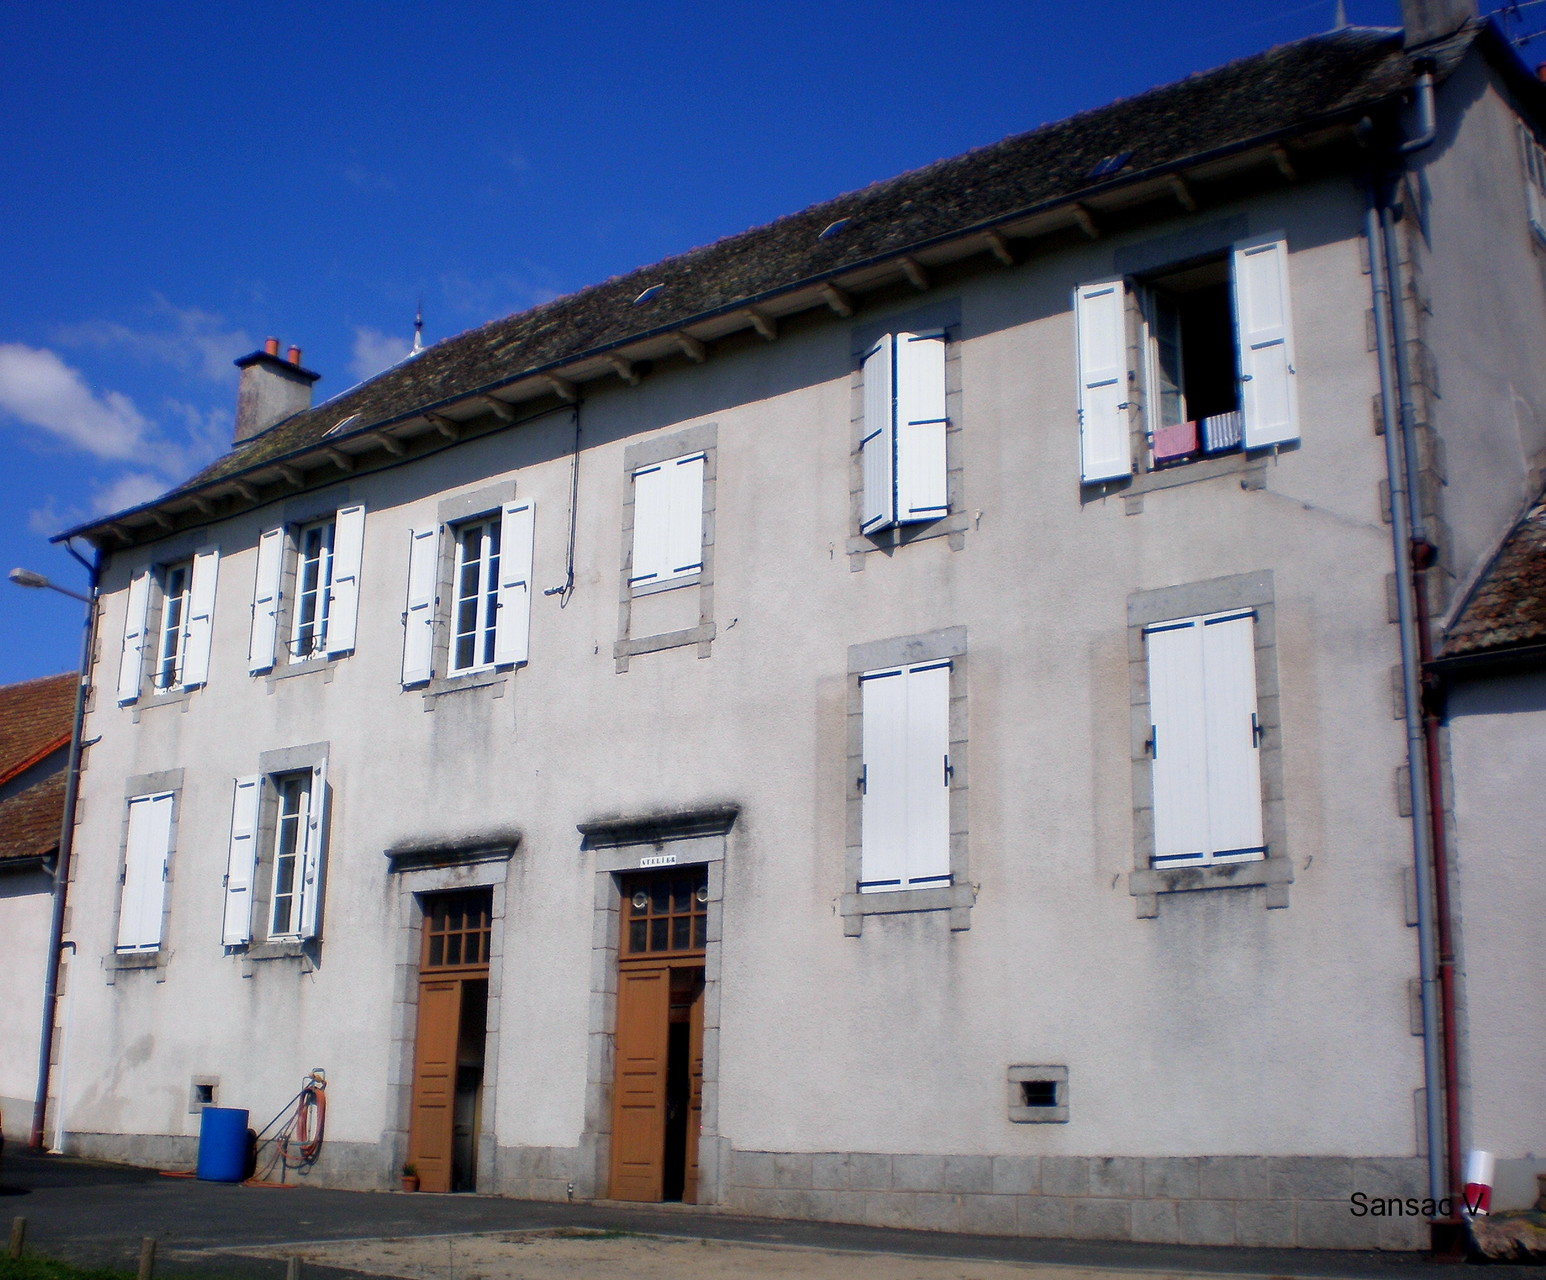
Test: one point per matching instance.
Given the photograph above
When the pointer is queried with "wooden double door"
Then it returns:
(657, 1095)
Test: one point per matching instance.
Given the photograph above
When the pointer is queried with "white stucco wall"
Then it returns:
(26, 908)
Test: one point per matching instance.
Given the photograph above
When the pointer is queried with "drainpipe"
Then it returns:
(66, 846)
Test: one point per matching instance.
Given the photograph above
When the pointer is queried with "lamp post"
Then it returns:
(27, 578)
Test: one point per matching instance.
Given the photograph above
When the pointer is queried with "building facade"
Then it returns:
(888, 718)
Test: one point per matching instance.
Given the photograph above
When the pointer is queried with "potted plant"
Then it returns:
(410, 1176)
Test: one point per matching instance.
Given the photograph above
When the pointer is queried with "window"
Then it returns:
(167, 626)
(902, 444)
(307, 589)
(1213, 347)
(665, 914)
(147, 849)
(667, 522)
(1535, 180)
(1203, 740)
(486, 589)
(273, 883)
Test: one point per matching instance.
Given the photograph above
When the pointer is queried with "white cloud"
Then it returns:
(186, 338)
(38, 388)
(129, 490)
(375, 351)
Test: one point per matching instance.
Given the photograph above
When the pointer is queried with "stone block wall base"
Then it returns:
(1254, 1201)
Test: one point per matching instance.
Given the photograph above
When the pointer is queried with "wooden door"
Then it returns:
(430, 1129)
(695, 1100)
(639, 1095)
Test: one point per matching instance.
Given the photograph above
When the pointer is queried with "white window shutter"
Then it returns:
(877, 440)
(921, 491)
(131, 663)
(883, 816)
(651, 524)
(144, 879)
(1233, 761)
(1105, 442)
(1535, 180)
(316, 837)
(348, 550)
(241, 861)
(1263, 334)
(1179, 745)
(201, 614)
(265, 601)
(512, 620)
(685, 533)
(928, 775)
(419, 616)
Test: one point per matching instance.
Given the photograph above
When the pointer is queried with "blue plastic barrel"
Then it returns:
(222, 1144)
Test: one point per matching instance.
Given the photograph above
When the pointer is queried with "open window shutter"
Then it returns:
(877, 441)
(131, 663)
(241, 861)
(1179, 746)
(316, 837)
(344, 608)
(1234, 768)
(651, 524)
(512, 621)
(920, 425)
(928, 778)
(1267, 392)
(883, 819)
(1535, 180)
(419, 616)
(265, 601)
(1105, 442)
(201, 612)
(144, 880)
(685, 533)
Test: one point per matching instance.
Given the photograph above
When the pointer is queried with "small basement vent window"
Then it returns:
(204, 1091)
(1038, 1095)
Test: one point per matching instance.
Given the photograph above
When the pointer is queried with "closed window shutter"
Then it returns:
(877, 440)
(883, 816)
(201, 613)
(1179, 742)
(419, 616)
(316, 837)
(1105, 443)
(344, 607)
(685, 523)
(144, 878)
(921, 424)
(1234, 769)
(651, 524)
(512, 620)
(1267, 390)
(265, 601)
(241, 861)
(928, 775)
(131, 662)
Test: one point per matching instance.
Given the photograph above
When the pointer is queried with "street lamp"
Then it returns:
(28, 578)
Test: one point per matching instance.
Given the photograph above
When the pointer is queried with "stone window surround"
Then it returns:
(116, 962)
(174, 550)
(702, 438)
(945, 313)
(420, 867)
(690, 837)
(306, 952)
(305, 509)
(1216, 595)
(1019, 1113)
(958, 896)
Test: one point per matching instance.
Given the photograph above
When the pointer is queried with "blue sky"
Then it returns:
(180, 181)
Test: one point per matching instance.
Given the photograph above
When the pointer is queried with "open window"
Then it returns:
(167, 627)
(306, 596)
(274, 863)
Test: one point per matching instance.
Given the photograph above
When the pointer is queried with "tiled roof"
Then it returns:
(29, 820)
(1507, 607)
(35, 718)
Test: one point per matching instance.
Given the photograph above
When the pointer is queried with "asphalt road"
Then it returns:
(97, 1214)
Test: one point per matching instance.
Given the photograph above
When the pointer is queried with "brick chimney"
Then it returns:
(1427, 20)
(272, 389)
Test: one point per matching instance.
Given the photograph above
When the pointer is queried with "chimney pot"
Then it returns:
(293, 355)
(272, 346)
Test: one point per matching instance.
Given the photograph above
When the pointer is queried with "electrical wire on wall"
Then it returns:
(298, 1142)
(567, 590)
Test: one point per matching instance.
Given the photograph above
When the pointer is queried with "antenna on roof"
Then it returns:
(418, 329)
(1339, 22)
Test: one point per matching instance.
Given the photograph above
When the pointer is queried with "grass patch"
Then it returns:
(47, 1269)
